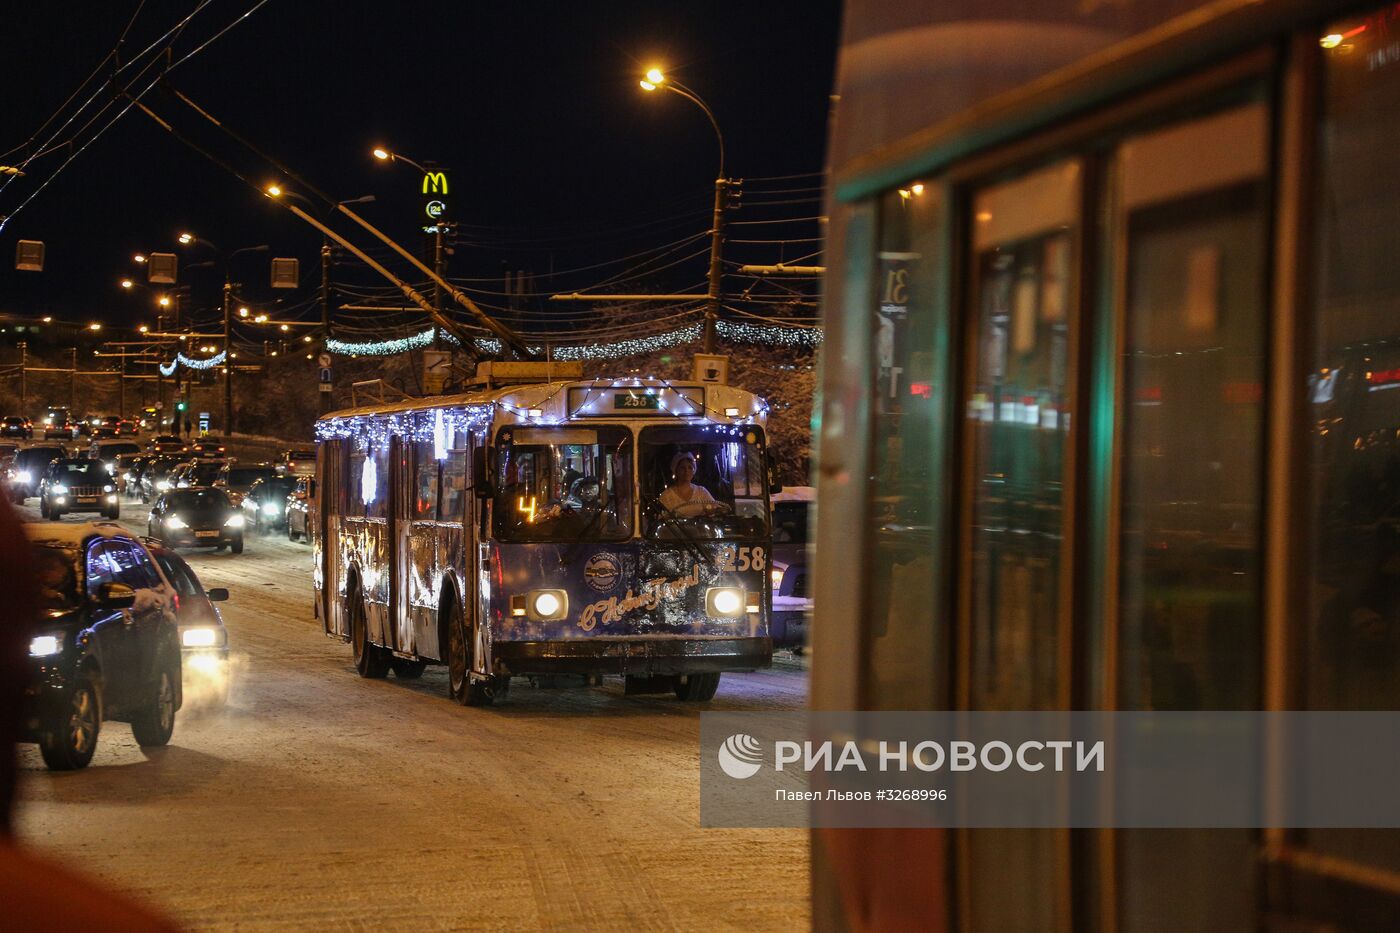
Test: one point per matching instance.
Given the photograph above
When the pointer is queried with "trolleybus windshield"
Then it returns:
(700, 483)
(563, 484)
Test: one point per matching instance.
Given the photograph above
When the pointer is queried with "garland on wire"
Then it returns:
(168, 369)
(770, 334)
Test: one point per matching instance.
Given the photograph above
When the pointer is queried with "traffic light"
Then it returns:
(181, 406)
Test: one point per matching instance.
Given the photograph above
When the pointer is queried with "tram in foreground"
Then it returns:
(549, 527)
(1111, 421)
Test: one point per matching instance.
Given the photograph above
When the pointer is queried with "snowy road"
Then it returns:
(321, 800)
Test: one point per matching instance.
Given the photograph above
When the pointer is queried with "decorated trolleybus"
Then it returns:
(549, 527)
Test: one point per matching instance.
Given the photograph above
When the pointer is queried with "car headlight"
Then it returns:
(175, 521)
(24, 476)
(546, 605)
(724, 602)
(234, 521)
(270, 508)
(163, 485)
(41, 646)
(111, 466)
(199, 637)
(109, 488)
(59, 489)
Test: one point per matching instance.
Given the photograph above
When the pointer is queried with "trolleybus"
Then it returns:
(1110, 420)
(567, 527)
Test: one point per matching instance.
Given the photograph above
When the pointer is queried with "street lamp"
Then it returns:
(439, 255)
(655, 80)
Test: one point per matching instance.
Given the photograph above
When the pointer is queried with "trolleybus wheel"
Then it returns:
(371, 661)
(404, 669)
(460, 685)
(696, 688)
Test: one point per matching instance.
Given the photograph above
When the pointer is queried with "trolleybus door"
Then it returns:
(330, 509)
(398, 633)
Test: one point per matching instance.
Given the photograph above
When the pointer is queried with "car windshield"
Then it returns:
(244, 477)
(37, 456)
(790, 522)
(277, 488)
(703, 481)
(564, 484)
(78, 472)
(199, 500)
(58, 577)
(204, 474)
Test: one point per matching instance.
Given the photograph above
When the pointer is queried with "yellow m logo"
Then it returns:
(434, 182)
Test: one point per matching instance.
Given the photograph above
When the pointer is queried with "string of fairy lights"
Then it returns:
(735, 332)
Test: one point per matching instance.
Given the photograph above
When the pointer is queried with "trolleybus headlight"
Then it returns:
(41, 646)
(724, 602)
(546, 605)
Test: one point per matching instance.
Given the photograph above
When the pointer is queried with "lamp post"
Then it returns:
(439, 257)
(225, 260)
(163, 301)
(656, 80)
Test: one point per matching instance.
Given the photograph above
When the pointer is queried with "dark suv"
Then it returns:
(108, 647)
(78, 484)
(16, 426)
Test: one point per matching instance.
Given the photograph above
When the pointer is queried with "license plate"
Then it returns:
(206, 534)
(87, 500)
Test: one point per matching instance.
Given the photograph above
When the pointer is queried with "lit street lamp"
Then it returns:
(439, 257)
(656, 80)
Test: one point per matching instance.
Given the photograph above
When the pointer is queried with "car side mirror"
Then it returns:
(774, 484)
(218, 594)
(481, 472)
(116, 596)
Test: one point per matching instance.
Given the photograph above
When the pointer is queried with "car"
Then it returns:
(167, 444)
(236, 478)
(56, 429)
(264, 507)
(298, 512)
(108, 645)
(16, 426)
(197, 473)
(203, 638)
(792, 601)
(299, 461)
(208, 447)
(78, 484)
(155, 477)
(29, 466)
(108, 450)
(127, 428)
(200, 516)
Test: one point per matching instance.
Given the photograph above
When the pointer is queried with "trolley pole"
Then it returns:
(228, 357)
(715, 297)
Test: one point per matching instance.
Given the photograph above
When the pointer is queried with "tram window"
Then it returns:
(903, 661)
(563, 484)
(425, 484)
(1018, 416)
(1352, 647)
(700, 483)
(1193, 236)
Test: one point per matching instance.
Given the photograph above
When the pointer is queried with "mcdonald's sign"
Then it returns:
(435, 195)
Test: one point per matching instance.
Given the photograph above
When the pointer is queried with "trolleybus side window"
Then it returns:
(454, 480)
(425, 486)
(700, 483)
(374, 481)
(354, 502)
(900, 665)
(563, 484)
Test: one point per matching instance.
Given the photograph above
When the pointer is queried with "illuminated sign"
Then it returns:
(435, 195)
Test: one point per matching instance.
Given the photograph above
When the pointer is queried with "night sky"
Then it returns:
(533, 106)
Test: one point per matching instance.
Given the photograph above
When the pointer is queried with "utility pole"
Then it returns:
(716, 263)
(73, 380)
(437, 289)
(325, 318)
(228, 357)
(121, 388)
(24, 375)
(160, 377)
